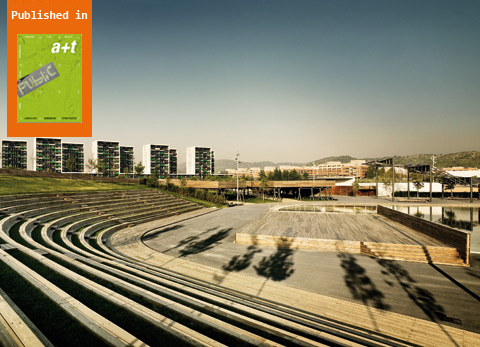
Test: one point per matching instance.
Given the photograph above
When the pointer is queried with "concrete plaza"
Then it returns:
(442, 294)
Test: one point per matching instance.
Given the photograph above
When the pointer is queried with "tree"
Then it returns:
(70, 164)
(168, 179)
(126, 171)
(277, 174)
(183, 184)
(387, 182)
(450, 185)
(91, 165)
(262, 174)
(263, 185)
(153, 179)
(355, 188)
(139, 170)
(305, 176)
(370, 172)
(94, 165)
(100, 167)
(418, 184)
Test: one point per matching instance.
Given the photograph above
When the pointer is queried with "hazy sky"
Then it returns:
(285, 80)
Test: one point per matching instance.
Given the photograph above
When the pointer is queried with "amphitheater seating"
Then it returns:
(67, 234)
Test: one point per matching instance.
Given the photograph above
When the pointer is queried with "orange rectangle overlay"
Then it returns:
(36, 17)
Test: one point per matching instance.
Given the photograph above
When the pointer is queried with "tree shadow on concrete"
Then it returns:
(155, 233)
(188, 240)
(206, 244)
(360, 285)
(277, 267)
(239, 263)
(423, 298)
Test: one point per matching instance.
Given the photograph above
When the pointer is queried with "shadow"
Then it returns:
(188, 240)
(277, 266)
(360, 285)
(155, 233)
(473, 274)
(458, 284)
(239, 263)
(421, 297)
(204, 245)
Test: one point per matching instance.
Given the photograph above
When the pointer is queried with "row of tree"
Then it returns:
(285, 175)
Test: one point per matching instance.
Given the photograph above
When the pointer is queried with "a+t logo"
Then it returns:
(56, 47)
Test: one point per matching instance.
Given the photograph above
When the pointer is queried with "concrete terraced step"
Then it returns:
(414, 253)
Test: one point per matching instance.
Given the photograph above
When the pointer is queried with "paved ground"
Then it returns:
(387, 201)
(348, 226)
(436, 293)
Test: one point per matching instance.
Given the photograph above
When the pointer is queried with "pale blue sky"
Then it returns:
(285, 80)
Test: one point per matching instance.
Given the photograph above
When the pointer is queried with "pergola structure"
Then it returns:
(324, 185)
(387, 162)
(441, 175)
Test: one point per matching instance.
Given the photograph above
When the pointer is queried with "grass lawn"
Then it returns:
(27, 185)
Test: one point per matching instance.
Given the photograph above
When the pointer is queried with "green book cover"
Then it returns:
(49, 78)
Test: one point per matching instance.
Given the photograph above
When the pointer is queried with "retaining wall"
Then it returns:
(298, 243)
(449, 236)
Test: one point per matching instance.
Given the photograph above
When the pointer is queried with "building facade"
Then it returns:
(156, 158)
(127, 160)
(200, 161)
(48, 155)
(14, 155)
(173, 161)
(107, 155)
(77, 153)
(356, 168)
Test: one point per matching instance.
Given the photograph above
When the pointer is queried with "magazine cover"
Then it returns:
(49, 80)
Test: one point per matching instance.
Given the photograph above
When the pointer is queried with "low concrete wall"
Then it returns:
(298, 243)
(451, 237)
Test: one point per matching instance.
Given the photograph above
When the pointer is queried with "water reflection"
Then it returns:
(464, 218)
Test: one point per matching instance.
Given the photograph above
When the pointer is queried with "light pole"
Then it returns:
(236, 159)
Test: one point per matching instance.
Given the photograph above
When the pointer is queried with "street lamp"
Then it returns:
(236, 159)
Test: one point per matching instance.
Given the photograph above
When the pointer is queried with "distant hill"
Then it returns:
(223, 164)
(340, 158)
(465, 159)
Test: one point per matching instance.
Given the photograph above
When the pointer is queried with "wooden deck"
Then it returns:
(338, 226)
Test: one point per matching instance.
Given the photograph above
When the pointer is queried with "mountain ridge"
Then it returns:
(465, 159)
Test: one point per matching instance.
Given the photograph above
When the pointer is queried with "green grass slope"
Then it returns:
(28, 185)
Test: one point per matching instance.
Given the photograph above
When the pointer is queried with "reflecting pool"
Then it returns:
(464, 218)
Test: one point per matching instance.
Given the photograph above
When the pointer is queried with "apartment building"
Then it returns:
(48, 155)
(14, 154)
(173, 161)
(77, 153)
(107, 153)
(200, 161)
(127, 160)
(156, 158)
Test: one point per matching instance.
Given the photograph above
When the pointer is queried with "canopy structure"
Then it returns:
(442, 176)
(386, 162)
